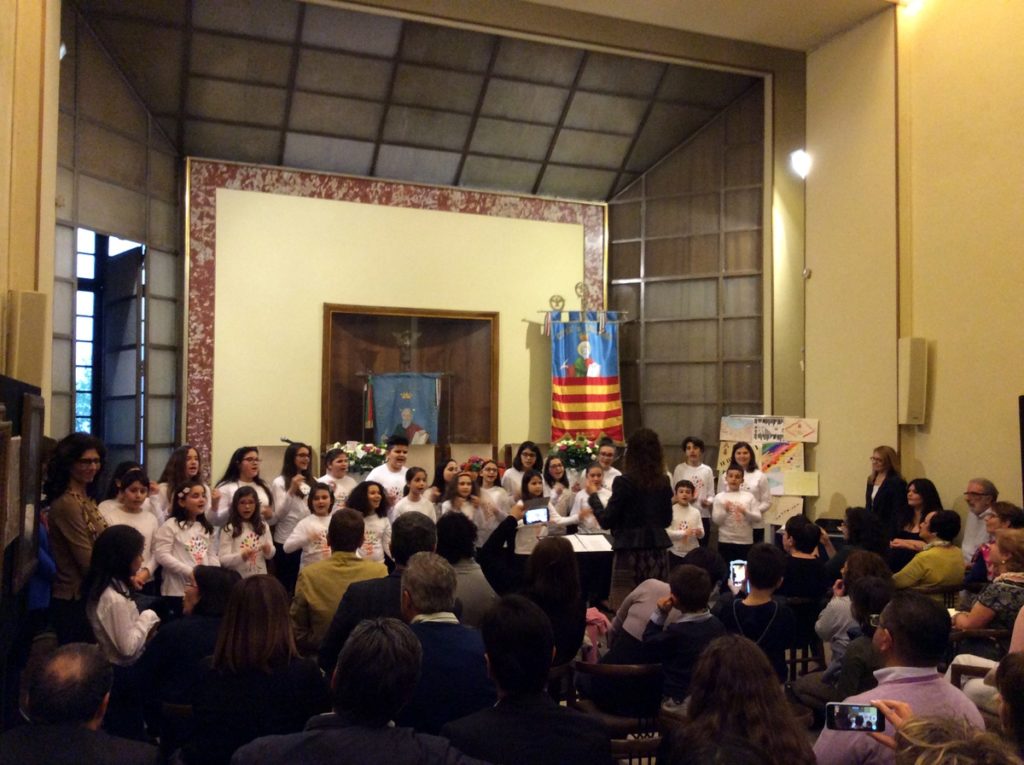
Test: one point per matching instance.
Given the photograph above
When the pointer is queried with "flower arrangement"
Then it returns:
(473, 464)
(577, 452)
(362, 458)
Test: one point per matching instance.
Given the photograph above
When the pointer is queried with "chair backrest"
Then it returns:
(626, 690)
(949, 593)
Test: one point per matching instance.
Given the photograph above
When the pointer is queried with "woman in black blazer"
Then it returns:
(886, 491)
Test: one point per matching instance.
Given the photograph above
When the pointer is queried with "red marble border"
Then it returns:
(205, 177)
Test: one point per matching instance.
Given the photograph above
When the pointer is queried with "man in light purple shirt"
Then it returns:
(912, 635)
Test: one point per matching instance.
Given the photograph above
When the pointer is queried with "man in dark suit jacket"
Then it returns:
(453, 682)
(411, 533)
(526, 725)
(67, 699)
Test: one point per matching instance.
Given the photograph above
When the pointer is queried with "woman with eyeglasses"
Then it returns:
(886, 493)
(242, 470)
(75, 522)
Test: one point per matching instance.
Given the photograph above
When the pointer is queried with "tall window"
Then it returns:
(86, 403)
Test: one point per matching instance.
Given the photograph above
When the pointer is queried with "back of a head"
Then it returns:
(215, 585)
(686, 749)
(691, 587)
(806, 537)
(412, 533)
(765, 566)
(519, 643)
(70, 685)
(919, 627)
(456, 537)
(1011, 545)
(645, 460)
(113, 553)
(869, 595)
(950, 741)
(945, 524)
(377, 671)
(710, 561)
(865, 530)
(1010, 682)
(552, 573)
(430, 581)
(862, 563)
(1009, 514)
(345, 530)
(255, 633)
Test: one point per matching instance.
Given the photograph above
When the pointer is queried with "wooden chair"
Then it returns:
(950, 593)
(807, 648)
(643, 720)
(636, 750)
(958, 673)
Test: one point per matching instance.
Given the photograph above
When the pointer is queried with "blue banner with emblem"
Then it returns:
(406, 404)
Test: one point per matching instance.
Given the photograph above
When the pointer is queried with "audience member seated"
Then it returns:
(625, 638)
(940, 740)
(861, 530)
(981, 496)
(255, 683)
(982, 691)
(553, 583)
(411, 533)
(999, 603)
(911, 636)
(735, 697)
(453, 680)
(1001, 515)
(323, 584)
(906, 541)
(1010, 684)
(525, 726)
(758, 616)
(804, 576)
(677, 646)
(67, 698)
(456, 540)
(375, 677)
(171, 664)
(854, 672)
(940, 563)
(836, 620)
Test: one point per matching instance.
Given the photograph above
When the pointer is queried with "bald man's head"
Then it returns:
(70, 686)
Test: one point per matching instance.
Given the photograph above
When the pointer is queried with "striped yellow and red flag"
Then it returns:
(585, 395)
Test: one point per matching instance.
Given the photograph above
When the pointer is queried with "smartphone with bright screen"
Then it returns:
(855, 717)
(536, 515)
(738, 572)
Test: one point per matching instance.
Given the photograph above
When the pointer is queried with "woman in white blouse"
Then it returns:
(291, 490)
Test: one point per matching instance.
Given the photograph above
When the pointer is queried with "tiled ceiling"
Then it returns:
(283, 82)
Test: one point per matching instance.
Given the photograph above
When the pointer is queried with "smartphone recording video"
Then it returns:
(860, 717)
(738, 572)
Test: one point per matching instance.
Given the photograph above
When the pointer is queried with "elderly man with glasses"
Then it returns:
(981, 494)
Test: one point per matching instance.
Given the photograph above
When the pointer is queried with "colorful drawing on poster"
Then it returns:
(768, 429)
(801, 429)
(800, 484)
(724, 456)
(780, 455)
(782, 509)
(736, 428)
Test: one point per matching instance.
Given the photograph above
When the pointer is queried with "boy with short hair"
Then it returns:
(758, 616)
(693, 469)
(735, 513)
(805, 575)
(391, 475)
(686, 527)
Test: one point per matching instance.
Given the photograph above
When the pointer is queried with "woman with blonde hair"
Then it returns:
(886, 492)
(255, 683)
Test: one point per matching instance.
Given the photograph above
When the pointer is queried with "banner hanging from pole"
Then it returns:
(585, 395)
(406, 404)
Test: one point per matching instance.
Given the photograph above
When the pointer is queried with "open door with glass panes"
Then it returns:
(120, 339)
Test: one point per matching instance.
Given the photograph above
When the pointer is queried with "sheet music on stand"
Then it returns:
(584, 543)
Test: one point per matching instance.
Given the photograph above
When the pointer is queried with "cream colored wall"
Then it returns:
(280, 258)
(29, 72)
(851, 253)
(963, 259)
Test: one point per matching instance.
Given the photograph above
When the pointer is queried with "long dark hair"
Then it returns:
(930, 502)
(735, 692)
(552, 574)
(174, 474)
(528, 476)
(289, 469)
(122, 468)
(235, 520)
(550, 480)
(58, 470)
(752, 465)
(645, 461)
(255, 633)
(359, 499)
(232, 472)
(865, 531)
(113, 553)
(439, 483)
(178, 512)
(517, 461)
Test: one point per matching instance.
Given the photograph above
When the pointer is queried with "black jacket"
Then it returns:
(636, 518)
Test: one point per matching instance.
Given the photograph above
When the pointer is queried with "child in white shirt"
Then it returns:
(184, 542)
(246, 543)
(310, 534)
(337, 477)
(391, 475)
(686, 527)
(370, 499)
(693, 469)
(582, 512)
(735, 513)
(127, 510)
(415, 499)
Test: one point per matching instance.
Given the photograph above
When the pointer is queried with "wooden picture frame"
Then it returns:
(462, 345)
(32, 418)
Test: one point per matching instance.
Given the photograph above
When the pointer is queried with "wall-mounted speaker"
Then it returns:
(912, 378)
(26, 336)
